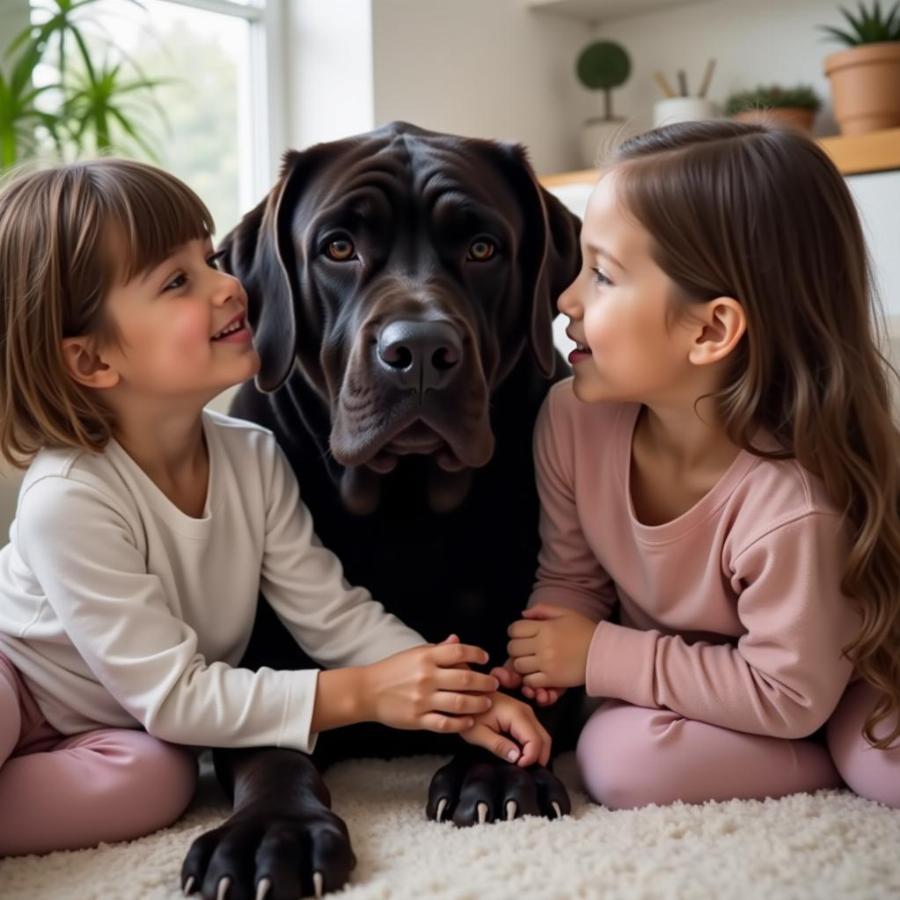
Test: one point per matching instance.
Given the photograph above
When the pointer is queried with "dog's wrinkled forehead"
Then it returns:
(423, 182)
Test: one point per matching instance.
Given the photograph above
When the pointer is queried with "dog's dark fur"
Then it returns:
(402, 287)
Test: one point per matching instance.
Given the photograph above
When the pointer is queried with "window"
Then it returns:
(216, 120)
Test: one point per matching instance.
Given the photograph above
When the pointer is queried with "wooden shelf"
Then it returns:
(878, 151)
(561, 179)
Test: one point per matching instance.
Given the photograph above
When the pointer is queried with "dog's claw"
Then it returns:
(263, 888)
(511, 809)
(482, 813)
(318, 884)
(442, 805)
(188, 888)
(556, 809)
(224, 884)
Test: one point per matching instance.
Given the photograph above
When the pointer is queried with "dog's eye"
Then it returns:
(482, 250)
(340, 250)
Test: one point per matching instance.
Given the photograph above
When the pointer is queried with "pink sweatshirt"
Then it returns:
(730, 614)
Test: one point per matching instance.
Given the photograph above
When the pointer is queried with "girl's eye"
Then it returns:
(600, 278)
(340, 250)
(482, 250)
(178, 281)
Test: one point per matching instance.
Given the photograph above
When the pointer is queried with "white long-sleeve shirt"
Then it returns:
(120, 610)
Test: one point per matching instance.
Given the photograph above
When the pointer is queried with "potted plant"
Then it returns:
(865, 79)
(601, 66)
(794, 107)
(86, 105)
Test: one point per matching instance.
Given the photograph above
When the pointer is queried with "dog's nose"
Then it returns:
(419, 355)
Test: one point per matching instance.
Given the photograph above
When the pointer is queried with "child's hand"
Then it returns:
(543, 696)
(429, 687)
(511, 680)
(549, 647)
(515, 718)
(507, 676)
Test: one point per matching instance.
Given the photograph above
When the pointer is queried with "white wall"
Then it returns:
(878, 197)
(328, 75)
(13, 18)
(484, 68)
(495, 68)
(766, 41)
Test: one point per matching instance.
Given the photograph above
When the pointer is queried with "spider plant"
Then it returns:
(20, 117)
(86, 105)
(102, 100)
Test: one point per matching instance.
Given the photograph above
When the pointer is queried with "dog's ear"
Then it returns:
(260, 251)
(551, 252)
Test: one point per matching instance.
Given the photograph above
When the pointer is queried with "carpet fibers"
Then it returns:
(831, 844)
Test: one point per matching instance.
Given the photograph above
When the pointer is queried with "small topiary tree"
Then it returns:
(603, 65)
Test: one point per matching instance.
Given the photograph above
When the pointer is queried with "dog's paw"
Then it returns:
(260, 856)
(468, 792)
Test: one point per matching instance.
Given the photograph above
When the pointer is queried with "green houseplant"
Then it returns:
(601, 66)
(21, 120)
(794, 107)
(865, 77)
(86, 106)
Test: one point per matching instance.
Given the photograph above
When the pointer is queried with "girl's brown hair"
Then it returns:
(762, 215)
(68, 234)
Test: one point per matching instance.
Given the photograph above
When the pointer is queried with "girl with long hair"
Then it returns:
(720, 483)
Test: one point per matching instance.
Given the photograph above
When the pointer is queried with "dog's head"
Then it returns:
(405, 273)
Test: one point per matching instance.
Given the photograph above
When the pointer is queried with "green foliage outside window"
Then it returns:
(68, 92)
(59, 96)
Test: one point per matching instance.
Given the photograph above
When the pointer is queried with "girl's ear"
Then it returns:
(720, 323)
(84, 364)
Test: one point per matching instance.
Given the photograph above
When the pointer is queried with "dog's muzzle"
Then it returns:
(416, 388)
(419, 356)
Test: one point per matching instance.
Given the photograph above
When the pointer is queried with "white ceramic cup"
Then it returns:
(683, 109)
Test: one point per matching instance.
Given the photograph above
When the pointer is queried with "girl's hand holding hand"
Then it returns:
(515, 718)
(549, 647)
(512, 680)
(429, 687)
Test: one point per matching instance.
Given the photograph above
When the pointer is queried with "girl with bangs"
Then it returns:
(146, 527)
(719, 483)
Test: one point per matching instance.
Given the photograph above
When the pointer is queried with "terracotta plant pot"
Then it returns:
(865, 87)
(786, 116)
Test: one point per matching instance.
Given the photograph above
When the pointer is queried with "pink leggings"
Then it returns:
(66, 793)
(629, 756)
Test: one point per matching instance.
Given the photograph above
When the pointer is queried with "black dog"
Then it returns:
(402, 287)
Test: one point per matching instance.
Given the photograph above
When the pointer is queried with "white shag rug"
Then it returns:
(828, 845)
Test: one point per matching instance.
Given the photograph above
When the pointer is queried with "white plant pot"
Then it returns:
(683, 109)
(599, 137)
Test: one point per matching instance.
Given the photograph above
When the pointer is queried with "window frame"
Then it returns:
(264, 97)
